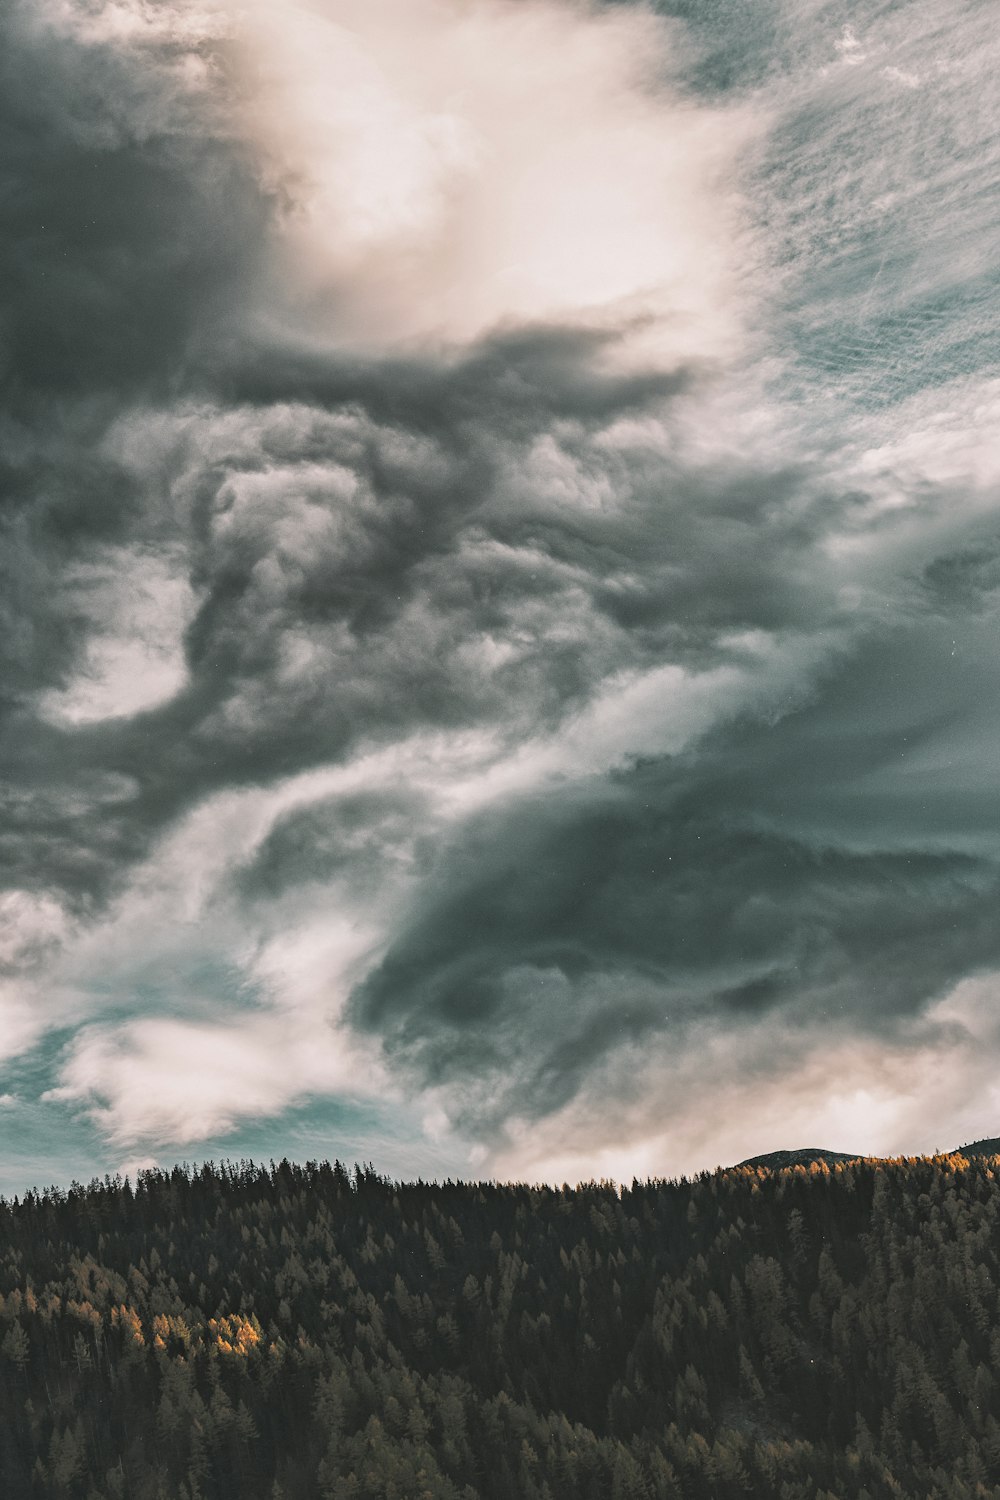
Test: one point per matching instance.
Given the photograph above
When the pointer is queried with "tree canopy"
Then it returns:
(270, 1333)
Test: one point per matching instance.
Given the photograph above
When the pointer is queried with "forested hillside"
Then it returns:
(823, 1332)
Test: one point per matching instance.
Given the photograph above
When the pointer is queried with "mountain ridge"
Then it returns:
(804, 1156)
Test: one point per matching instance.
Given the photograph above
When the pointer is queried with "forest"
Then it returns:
(239, 1332)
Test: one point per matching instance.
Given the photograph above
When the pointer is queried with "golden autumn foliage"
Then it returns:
(166, 1328)
(128, 1320)
(234, 1335)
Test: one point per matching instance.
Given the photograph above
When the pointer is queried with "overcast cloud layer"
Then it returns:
(500, 582)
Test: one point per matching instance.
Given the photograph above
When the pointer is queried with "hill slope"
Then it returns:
(251, 1334)
(988, 1147)
(775, 1161)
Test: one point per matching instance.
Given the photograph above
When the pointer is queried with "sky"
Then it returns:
(499, 583)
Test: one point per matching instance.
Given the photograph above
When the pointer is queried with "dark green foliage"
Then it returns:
(809, 1334)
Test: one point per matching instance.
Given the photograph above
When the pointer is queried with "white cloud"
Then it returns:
(31, 925)
(133, 607)
(136, 23)
(456, 167)
(137, 1164)
(22, 1020)
(33, 929)
(849, 47)
(175, 1081)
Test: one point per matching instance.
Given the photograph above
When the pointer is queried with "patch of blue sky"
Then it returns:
(46, 1141)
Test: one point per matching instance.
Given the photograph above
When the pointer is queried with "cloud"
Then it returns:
(499, 567)
(135, 215)
(646, 909)
(766, 1090)
(135, 1165)
(32, 929)
(451, 171)
(177, 1081)
(135, 611)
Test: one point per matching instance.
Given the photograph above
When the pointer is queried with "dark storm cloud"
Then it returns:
(134, 226)
(749, 883)
(129, 227)
(135, 231)
(422, 535)
(329, 548)
(129, 223)
(965, 580)
(524, 378)
(353, 836)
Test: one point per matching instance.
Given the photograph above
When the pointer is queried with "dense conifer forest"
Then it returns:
(240, 1333)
